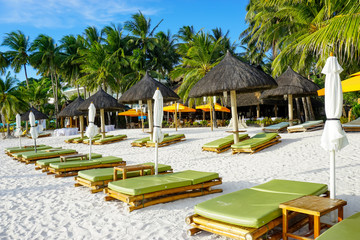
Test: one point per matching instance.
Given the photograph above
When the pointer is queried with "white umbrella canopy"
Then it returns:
(91, 129)
(33, 130)
(158, 116)
(18, 128)
(334, 137)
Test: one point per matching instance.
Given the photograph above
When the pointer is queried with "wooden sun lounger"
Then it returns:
(301, 128)
(258, 148)
(166, 142)
(222, 148)
(98, 186)
(105, 141)
(149, 199)
(41, 135)
(33, 160)
(353, 126)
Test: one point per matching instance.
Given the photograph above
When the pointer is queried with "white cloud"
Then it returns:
(67, 13)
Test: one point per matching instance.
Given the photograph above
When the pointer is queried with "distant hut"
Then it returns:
(71, 111)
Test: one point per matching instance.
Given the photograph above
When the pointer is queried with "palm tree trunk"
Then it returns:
(8, 130)
(84, 92)
(26, 77)
(3, 125)
(306, 111)
(78, 90)
(311, 110)
(298, 109)
(54, 94)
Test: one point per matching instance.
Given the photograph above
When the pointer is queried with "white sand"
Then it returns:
(34, 205)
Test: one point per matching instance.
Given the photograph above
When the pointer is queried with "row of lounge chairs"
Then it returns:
(304, 127)
(97, 139)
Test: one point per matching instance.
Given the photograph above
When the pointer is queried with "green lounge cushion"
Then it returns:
(306, 124)
(346, 229)
(103, 174)
(82, 163)
(41, 147)
(97, 137)
(9, 149)
(146, 139)
(107, 139)
(354, 123)
(255, 141)
(224, 141)
(277, 126)
(254, 207)
(170, 138)
(46, 162)
(154, 183)
(58, 152)
(20, 154)
(292, 187)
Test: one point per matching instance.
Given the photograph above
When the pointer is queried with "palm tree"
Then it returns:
(38, 92)
(10, 102)
(18, 55)
(47, 58)
(4, 63)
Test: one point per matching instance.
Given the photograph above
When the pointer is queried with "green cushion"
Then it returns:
(277, 126)
(103, 174)
(107, 139)
(224, 141)
(170, 138)
(46, 162)
(59, 152)
(346, 229)
(292, 187)
(195, 176)
(255, 141)
(254, 207)
(146, 139)
(41, 147)
(97, 137)
(20, 154)
(306, 124)
(96, 161)
(10, 149)
(147, 184)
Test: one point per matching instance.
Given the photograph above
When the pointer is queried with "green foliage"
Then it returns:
(356, 111)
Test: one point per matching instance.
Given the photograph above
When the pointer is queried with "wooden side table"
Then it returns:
(64, 158)
(313, 206)
(130, 168)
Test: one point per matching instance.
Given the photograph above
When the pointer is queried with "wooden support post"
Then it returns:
(285, 224)
(234, 115)
(82, 126)
(71, 122)
(203, 115)
(290, 107)
(306, 110)
(62, 122)
(258, 111)
(211, 116)
(102, 119)
(298, 109)
(150, 119)
(316, 226)
(179, 119)
(311, 110)
(276, 110)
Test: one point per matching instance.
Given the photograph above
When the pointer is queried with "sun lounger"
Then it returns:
(32, 157)
(149, 190)
(279, 127)
(80, 139)
(222, 144)
(18, 155)
(98, 179)
(41, 135)
(346, 229)
(142, 141)
(307, 126)
(109, 139)
(353, 126)
(250, 213)
(65, 169)
(11, 151)
(171, 139)
(44, 163)
(97, 137)
(256, 143)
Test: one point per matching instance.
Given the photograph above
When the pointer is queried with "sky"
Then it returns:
(63, 17)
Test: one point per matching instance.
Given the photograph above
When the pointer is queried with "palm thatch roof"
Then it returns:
(145, 89)
(253, 99)
(71, 110)
(101, 100)
(38, 115)
(232, 74)
(290, 82)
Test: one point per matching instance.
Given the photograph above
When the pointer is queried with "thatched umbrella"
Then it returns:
(143, 91)
(292, 84)
(38, 115)
(235, 76)
(102, 101)
(71, 110)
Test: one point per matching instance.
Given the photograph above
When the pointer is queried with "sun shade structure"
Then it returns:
(349, 85)
(292, 84)
(180, 108)
(235, 76)
(33, 130)
(217, 107)
(91, 130)
(37, 114)
(132, 113)
(158, 136)
(104, 102)
(143, 91)
(71, 110)
(18, 128)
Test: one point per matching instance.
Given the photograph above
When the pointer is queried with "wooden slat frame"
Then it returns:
(307, 129)
(258, 148)
(33, 160)
(223, 148)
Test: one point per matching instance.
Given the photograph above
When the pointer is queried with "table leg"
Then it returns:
(311, 223)
(316, 226)
(285, 224)
(340, 214)
(124, 174)
(142, 172)
(115, 174)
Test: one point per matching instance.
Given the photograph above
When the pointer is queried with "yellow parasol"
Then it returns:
(349, 85)
(132, 113)
(218, 108)
(181, 108)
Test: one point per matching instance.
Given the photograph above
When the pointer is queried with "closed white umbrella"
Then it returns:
(33, 130)
(334, 137)
(18, 128)
(158, 116)
(91, 129)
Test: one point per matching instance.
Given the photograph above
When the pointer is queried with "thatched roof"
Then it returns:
(232, 74)
(253, 99)
(290, 82)
(145, 89)
(38, 115)
(101, 100)
(71, 110)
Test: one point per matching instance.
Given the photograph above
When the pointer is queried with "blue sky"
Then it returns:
(62, 17)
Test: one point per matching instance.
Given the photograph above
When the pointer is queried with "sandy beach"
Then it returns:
(34, 205)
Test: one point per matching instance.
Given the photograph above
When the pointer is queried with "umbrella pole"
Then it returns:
(82, 126)
(211, 117)
(234, 115)
(290, 106)
(332, 182)
(35, 144)
(142, 120)
(151, 120)
(156, 157)
(102, 116)
(175, 116)
(20, 140)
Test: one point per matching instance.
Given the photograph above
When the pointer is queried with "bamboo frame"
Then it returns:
(65, 172)
(351, 129)
(111, 141)
(258, 148)
(223, 148)
(166, 143)
(149, 199)
(307, 129)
